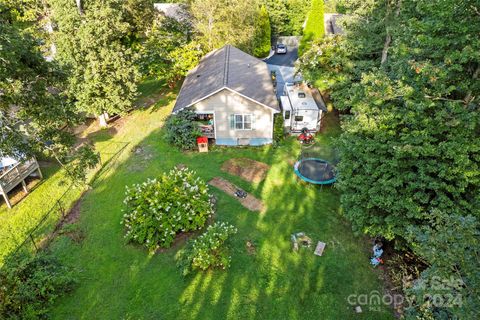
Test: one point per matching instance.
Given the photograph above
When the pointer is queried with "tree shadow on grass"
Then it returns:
(124, 281)
(165, 98)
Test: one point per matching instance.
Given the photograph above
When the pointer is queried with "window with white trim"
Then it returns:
(242, 122)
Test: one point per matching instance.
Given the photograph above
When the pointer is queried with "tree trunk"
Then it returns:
(469, 96)
(386, 45)
(388, 38)
(79, 7)
(48, 27)
(103, 118)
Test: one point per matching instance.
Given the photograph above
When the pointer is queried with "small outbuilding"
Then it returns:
(233, 96)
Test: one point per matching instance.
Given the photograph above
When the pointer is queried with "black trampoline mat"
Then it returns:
(316, 170)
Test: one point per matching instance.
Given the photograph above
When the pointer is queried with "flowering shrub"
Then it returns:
(209, 249)
(158, 209)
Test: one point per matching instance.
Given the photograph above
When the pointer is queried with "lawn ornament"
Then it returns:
(377, 250)
(377, 253)
(202, 143)
(319, 249)
(300, 238)
(376, 261)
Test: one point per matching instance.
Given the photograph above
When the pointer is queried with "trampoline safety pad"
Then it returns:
(315, 170)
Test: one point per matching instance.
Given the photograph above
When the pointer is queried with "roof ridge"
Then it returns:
(225, 68)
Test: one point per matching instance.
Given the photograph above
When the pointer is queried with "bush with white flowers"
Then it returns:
(157, 210)
(208, 250)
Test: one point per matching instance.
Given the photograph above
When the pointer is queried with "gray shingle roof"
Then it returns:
(231, 68)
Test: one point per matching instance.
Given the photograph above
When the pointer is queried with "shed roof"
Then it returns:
(228, 68)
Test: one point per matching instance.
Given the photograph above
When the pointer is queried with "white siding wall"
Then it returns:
(226, 103)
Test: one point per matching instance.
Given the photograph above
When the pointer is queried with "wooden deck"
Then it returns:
(17, 175)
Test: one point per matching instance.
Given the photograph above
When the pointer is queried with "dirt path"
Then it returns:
(249, 202)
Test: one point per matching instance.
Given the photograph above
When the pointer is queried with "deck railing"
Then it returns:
(15, 175)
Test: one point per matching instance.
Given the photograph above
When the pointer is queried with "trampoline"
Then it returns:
(315, 170)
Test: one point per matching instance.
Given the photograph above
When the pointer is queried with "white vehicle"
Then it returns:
(281, 48)
(300, 110)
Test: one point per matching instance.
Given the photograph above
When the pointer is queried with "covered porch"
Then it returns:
(206, 123)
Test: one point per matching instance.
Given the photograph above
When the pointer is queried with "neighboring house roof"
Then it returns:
(175, 11)
(232, 69)
(331, 21)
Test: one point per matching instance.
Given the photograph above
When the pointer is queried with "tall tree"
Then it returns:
(287, 17)
(92, 44)
(220, 22)
(263, 34)
(314, 26)
(451, 244)
(410, 151)
(168, 51)
(279, 17)
(34, 113)
(297, 15)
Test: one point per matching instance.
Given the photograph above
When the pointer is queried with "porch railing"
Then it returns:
(16, 175)
(208, 131)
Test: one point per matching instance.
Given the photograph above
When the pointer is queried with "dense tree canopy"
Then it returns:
(287, 16)
(314, 26)
(169, 50)
(218, 22)
(94, 43)
(406, 75)
(263, 34)
(34, 112)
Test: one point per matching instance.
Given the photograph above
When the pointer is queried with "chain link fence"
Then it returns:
(40, 236)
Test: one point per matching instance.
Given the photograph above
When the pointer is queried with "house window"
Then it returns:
(287, 115)
(243, 122)
(298, 118)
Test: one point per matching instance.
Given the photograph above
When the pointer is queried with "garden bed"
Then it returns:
(247, 169)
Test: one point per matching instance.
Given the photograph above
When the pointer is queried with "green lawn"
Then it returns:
(120, 281)
(18, 222)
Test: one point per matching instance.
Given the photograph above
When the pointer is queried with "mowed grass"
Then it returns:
(17, 223)
(122, 281)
